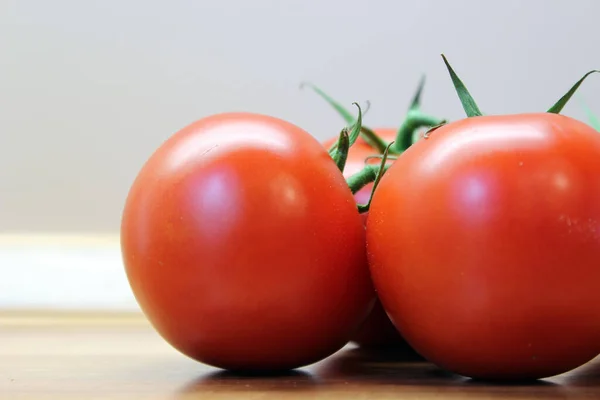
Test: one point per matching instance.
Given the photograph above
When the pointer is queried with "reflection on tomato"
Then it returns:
(244, 247)
(484, 244)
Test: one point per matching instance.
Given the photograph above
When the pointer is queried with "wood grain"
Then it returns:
(119, 356)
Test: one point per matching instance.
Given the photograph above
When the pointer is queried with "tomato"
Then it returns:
(484, 243)
(243, 245)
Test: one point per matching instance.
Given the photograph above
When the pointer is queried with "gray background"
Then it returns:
(88, 89)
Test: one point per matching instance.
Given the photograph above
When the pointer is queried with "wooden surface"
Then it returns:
(78, 356)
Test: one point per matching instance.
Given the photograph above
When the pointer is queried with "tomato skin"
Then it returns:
(377, 331)
(484, 243)
(244, 247)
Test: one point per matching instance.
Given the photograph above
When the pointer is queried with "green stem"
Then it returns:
(414, 120)
(368, 174)
(362, 178)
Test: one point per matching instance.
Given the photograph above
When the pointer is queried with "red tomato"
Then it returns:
(484, 243)
(243, 245)
(377, 330)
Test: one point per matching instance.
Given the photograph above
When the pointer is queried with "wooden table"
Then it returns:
(103, 356)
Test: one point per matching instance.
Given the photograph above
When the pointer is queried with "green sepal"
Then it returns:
(469, 105)
(415, 104)
(559, 105)
(367, 133)
(352, 136)
(345, 114)
(341, 153)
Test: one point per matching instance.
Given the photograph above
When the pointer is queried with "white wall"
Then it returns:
(88, 89)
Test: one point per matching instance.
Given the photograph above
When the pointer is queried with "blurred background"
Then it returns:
(88, 90)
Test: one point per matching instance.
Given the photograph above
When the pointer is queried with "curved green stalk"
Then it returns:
(415, 119)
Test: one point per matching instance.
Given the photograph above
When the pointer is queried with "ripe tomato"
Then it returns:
(484, 242)
(244, 247)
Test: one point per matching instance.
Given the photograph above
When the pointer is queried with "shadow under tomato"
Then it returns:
(402, 353)
(380, 367)
(228, 381)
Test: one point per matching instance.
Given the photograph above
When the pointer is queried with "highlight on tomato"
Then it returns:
(244, 246)
(484, 242)
(378, 331)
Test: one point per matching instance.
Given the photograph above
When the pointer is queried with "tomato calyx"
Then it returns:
(472, 109)
(339, 150)
(370, 173)
(414, 120)
(368, 134)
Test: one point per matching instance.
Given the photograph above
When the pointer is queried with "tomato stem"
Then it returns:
(370, 173)
(362, 178)
(414, 120)
(559, 105)
(469, 105)
(362, 208)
